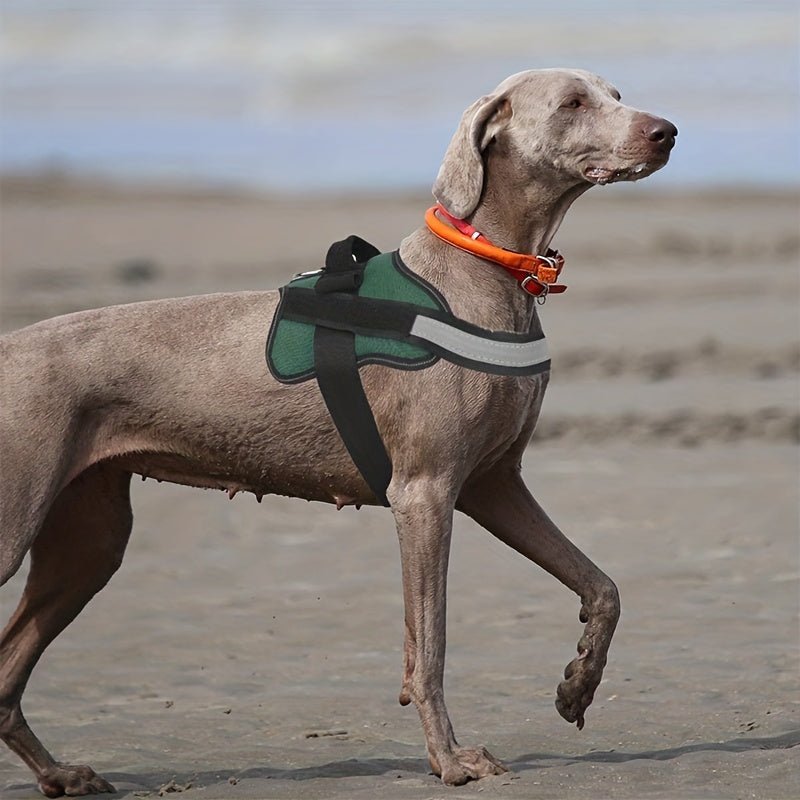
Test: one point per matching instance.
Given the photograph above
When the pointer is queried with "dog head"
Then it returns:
(570, 124)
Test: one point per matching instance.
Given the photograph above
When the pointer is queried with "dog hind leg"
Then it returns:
(79, 548)
(502, 504)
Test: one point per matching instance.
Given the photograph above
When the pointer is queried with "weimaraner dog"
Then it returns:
(178, 390)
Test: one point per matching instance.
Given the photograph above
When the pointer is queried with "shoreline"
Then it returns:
(35, 183)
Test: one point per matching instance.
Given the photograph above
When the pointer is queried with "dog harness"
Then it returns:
(367, 307)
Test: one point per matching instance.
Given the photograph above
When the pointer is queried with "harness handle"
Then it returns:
(344, 265)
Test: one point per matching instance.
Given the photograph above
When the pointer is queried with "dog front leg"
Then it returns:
(423, 511)
(502, 504)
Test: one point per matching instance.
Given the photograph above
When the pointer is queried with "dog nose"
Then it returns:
(659, 130)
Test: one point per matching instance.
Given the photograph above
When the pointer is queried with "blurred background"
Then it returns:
(330, 95)
(158, 148)
(150, 149)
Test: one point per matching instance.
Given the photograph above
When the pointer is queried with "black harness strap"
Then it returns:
(394, 319)
(337, 370)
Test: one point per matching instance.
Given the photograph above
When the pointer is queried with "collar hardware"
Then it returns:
(537, 275)
(540, 291)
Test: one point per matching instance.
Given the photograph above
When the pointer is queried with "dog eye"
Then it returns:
(573, 102)
(616, 95)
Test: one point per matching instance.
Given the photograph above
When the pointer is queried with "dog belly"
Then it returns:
(341, 490)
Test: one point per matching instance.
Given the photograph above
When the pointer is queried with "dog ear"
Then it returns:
(459, 184)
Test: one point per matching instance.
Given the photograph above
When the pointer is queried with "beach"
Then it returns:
(254, 651)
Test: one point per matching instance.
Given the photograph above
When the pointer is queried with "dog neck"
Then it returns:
(520, 215)
(522, 211)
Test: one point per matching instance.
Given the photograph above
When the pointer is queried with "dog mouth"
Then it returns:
(601, 175)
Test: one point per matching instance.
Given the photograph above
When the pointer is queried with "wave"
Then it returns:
(137, 86)
(317, 37)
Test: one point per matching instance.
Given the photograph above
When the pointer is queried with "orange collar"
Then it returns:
(537, 275)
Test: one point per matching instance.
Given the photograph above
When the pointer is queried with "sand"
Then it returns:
(253, 651)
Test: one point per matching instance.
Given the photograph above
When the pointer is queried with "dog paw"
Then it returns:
(576, 692)
(73, 781)
(468, 763)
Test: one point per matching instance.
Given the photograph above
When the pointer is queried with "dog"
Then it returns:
(177, 390)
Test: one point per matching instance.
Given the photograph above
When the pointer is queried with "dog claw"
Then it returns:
(73, 781)
(581, 678)
(576, 692)
(467, 763)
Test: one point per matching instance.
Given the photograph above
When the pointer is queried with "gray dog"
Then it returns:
(178, 390)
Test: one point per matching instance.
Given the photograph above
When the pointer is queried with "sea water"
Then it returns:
(365, 95)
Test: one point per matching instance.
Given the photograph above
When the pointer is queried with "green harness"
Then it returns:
(290, 348)
(367, 307)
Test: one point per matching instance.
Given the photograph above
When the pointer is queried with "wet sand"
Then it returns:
(254, 651)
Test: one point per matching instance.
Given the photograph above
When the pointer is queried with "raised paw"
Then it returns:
(576, 692)
(467, 763)
(73, 781)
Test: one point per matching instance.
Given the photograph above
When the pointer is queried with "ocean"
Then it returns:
(319, 95)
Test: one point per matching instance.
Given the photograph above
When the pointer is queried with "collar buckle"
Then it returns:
(540, 291)
(549, 268)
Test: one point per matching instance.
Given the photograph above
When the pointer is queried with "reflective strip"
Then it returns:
(477, 348)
